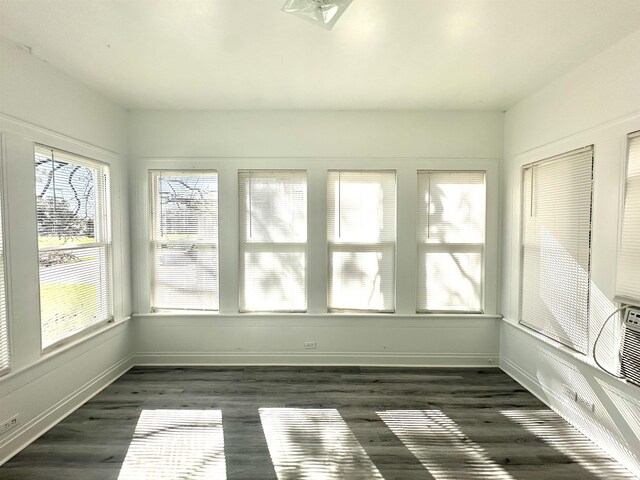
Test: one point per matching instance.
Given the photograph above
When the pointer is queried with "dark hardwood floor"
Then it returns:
(253, 423)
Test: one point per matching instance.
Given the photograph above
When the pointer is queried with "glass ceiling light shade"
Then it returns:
(321, 12)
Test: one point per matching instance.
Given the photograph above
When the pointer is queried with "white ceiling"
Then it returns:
(382, 54)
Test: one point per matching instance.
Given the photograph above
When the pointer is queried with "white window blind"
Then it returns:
(557, 246)
(451, 235)
(273, 240)
(74, 243)
(361, 211)
(184, 240)
(628, 277)
(4, 333)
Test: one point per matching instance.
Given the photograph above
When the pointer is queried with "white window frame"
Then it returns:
(454, 247)
(245, 245)
(547, 331)
(317, 249)
(153, 175)
(361, 247)
(105, 242)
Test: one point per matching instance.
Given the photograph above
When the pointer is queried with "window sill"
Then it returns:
(426, 316)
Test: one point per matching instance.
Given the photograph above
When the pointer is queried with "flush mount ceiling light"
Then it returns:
(321, 12)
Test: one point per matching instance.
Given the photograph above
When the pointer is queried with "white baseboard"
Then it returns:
(320, 359)
(25, 434)
(615, 448)
(524, 378)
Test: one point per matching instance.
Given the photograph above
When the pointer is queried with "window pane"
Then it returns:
(186, 277)
(274, 206)
(361, 206)
(273, 236)
(451, 235)
(451, 207)
(184, 240)
(74, 240)
(73, 291)
(361, 216)
(274, 281)
(556, 247)
(451, 279)
(362, 279)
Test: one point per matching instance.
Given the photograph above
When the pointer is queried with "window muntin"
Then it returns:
(74, 243)
(556, 247)
(184, 240)
(361, 229)
(273, 240)
(451, 236)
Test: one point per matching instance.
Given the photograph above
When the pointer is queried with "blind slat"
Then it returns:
(556, 235)
(628, 274)
(184, 240)
(361, 228)
(273, 238)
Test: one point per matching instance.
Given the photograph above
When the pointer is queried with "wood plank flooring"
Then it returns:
(285, 423)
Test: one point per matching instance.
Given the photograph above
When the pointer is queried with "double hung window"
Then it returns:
(451, 233)
(273, 240)
(74, 243)
(184, 240)
(361, 240)
(556, 247)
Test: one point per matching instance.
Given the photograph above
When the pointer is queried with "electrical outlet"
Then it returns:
(309, 345)
(8, 425)
(586, 403)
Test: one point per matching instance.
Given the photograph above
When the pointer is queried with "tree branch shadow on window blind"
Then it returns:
(361, 240)
(556, 247)
(184, 240)
(273, 240)
(74, 243)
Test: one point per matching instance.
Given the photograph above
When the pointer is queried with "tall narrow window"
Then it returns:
(273, 240)
(628, 277)
(4, 332)
(556, 247)
(361, 240)
(74, 243)
(184, 240)
(451, 233)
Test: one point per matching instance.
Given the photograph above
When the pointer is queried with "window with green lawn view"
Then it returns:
(74, 243)
(184, 240)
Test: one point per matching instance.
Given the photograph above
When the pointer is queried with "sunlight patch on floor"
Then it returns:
(314, 444)
(439, 444)
(172, 444)
(557, 433)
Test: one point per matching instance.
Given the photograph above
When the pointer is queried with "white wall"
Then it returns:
(315, 141)
(597, 103)
(39, 104)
